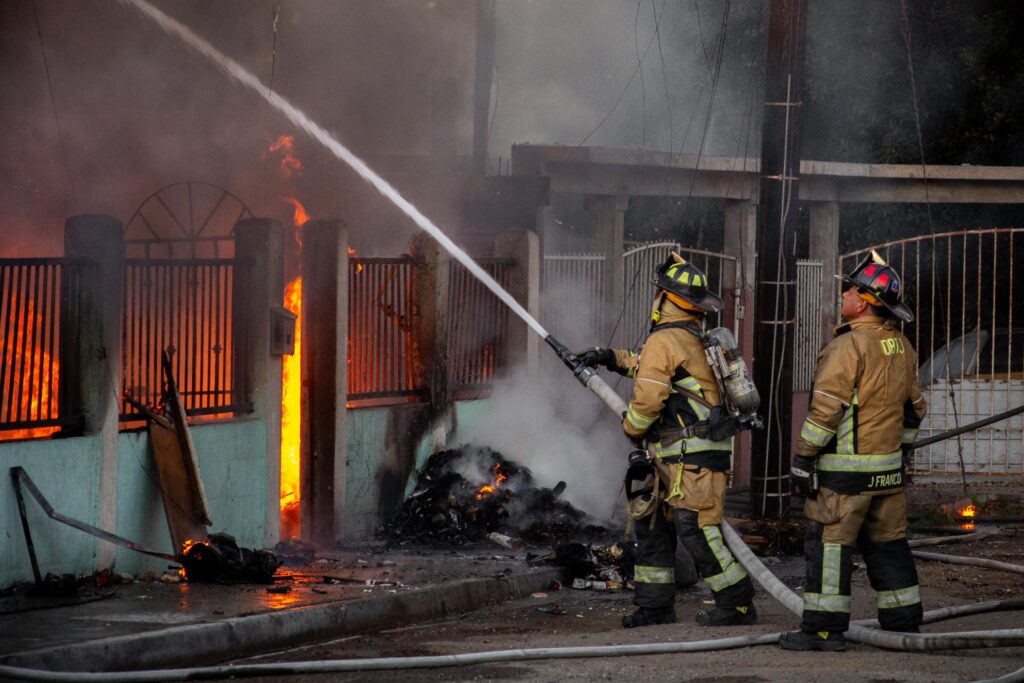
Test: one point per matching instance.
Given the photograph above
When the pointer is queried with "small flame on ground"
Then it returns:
(489, 489)
(967, 513)
(185, 547)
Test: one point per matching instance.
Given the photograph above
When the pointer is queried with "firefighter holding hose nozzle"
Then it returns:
(681, 422)
(865, 409)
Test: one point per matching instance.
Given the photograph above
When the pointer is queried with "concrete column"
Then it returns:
(607, 227)
(324, 379)
(258, 288)
(824, 247)
(430, 327)
(740, 233)
(95, 346)
(524, 285)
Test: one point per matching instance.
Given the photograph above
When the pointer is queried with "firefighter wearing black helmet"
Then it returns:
(674, 394)
(865, 409)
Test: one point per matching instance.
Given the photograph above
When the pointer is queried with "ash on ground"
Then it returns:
(464, 495)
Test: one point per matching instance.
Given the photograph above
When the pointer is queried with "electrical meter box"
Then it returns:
(282, 331)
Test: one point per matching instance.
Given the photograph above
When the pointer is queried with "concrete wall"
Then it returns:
(234, 475)
(67, 472)
(386, 446)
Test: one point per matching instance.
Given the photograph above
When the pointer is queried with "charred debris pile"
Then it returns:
(470, 494)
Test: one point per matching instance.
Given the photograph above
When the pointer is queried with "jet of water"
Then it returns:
(237, 72)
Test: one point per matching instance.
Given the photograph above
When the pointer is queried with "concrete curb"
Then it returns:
(240, 636)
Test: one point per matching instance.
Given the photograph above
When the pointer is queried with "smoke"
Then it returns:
(559, 430)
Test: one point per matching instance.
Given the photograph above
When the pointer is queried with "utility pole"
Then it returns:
(776, 256)
(482, 84)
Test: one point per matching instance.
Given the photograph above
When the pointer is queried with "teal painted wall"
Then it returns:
(386, 446)
(233, 467)
(67, 473)
(232, 464)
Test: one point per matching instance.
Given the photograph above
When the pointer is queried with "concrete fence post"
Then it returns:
(258, 288)
(430, 315)
(323, 466)
(524, 284)
(94, 346)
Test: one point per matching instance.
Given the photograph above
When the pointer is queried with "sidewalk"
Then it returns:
(155, 624)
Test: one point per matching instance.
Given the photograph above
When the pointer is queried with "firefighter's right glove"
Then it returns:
(804, 477)
(598, 356)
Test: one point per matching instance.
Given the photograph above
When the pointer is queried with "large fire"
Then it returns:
(291, 417)
(33, 376)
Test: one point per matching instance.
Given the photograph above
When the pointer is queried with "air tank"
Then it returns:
(735, 375)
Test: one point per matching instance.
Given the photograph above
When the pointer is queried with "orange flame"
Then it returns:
(185, 547)
(359, 266)
(35, 377)
(967, 513)
(290, 164)
(291, 417)
(489, 489)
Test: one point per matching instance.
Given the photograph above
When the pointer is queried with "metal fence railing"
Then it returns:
(639, 266)
(964, 289)
(382, 361)
(31, 294)
(477, 325)
(572, 297)
(808, 323)
(183, 307)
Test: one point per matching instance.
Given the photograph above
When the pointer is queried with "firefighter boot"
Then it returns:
(729, 616)
(648, 616)
(828, 641)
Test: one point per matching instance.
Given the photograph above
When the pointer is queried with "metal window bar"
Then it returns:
(970, 342)
(35, 296)
(183, 307)
(382, 356)
(477, 326)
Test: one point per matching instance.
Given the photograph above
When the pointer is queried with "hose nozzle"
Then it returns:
(581, 370)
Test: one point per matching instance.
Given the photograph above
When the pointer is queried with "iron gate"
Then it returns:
(639, 265)
(969, 334)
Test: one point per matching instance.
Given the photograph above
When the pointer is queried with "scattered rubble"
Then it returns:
(465, 495)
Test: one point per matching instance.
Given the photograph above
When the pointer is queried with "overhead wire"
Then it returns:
(628, 83)
(908, 43)
(53, 104)
(664, 73)
(640, 68)
(273, 48)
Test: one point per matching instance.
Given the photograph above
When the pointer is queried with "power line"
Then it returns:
(664, 74)
(53, 104)
(628, 83)
(273, 49)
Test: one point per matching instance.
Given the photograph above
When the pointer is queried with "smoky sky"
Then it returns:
(139, 111)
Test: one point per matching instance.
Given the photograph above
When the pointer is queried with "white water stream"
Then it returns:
(237, 72)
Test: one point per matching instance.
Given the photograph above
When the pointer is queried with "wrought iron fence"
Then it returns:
(35, 293)
(969, 334)
(382, 361)
(477, 325)
(184, 307)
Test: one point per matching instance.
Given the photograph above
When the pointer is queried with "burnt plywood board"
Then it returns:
(183, 500)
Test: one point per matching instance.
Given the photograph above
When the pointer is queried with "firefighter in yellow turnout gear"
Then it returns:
(675, 393)
(864, 412)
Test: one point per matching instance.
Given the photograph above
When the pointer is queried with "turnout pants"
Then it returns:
(700, 533)
(877, 525)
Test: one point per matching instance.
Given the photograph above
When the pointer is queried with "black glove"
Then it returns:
(804, 477)
(598, 356)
